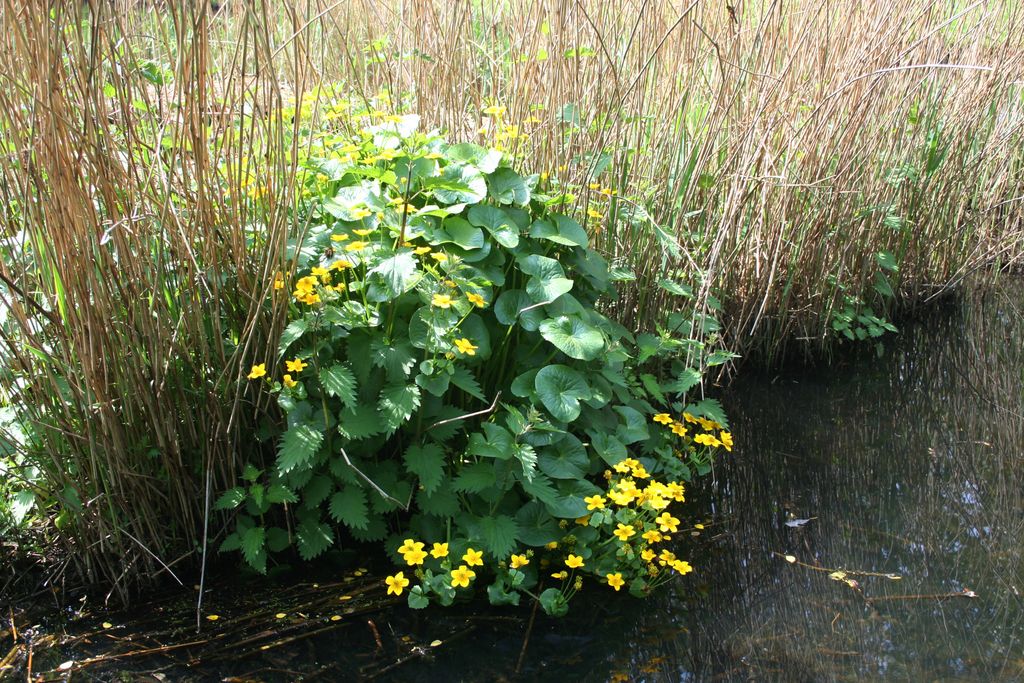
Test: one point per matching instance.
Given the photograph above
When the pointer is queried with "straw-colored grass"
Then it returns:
(764, 152)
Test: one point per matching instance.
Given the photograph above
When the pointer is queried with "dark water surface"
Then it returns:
(911, 465)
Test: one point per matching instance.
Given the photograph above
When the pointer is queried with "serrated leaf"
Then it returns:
(339, 381)
(348, 506)
(230, 499)
(650, 383)
(441, 503)
(688, 379)
(474, 478)
(427, 463)
(277, 539)
(313, 538)
(252, 548)
(279, 493)
(397, 404)
(233, 541)
(291, 334)
(359, 421)
(527, 457)
(498, 534)
(463, 378)
(560, 389)
(710, 408)
(298, 446)
(573, 337)
(316, 490)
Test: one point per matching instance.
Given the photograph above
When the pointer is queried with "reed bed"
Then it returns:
(778, 157)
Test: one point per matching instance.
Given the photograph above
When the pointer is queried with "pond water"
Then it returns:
(909, 465)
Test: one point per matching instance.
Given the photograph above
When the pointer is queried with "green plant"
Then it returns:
(446, 372)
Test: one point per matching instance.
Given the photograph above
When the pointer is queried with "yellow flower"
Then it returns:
(707, 440)
(359, 214)
(726, 438)
(690, 418)
(698, 526)
(289, 382)
(341, 264)
(615, 580)
(473, 557)
(257, 371)
(622, 467)
(624, 532)
(441, 301)
(518, 561)
(682, 566)
(476, 299)
(415, 556)
(279, 281)
(678, 429)
(396, 583)
(647, 555)
(594, 502)
(465, 346)
(296, 365)
(439, 257)
(356, 246)
(663, 418)
(621, 498)
(562, 575)
(363, 232)
(667, 522)
(652, 536)
(409, 544)
(432, 155)
(439, 550)
(419, 251)
(573, 561)
(462, 576)
(338, 238)
(666, 557)
(552, 545)
(594, 215)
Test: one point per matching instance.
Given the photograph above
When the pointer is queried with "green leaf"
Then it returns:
(508, 187)
(573, 337)
(230, 499)
(560, 230)
(359, 422)
(252, 548)
(887, 261)
(495, 221)
(277, 539)
(510, 308)
(673, 287)
(458, 230)
(711, 409)
(688, 379)
(316, 490)
(458, 184)
(547, 281)
(427, 463)
(348, 506)
(441, 503)
(527, 457)
(498, 534)
(298, 446)
(464, 379)
(565, 459)
(553, 603)
(396, 358)
(653, 388)
(560, 389)
(339, 381)
(474, 478)
(495, 442)
(720, 357)
(313, 538)
(417, 599)
(279, 493)
(497, 595)
(397, 404)
(535, 526)
(634, 428)
(393, 277)
(291, 334)
(611, 450)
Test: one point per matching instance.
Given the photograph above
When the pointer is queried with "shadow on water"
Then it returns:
(911, 465)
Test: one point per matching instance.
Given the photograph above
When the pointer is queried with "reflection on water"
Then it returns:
(911, 465)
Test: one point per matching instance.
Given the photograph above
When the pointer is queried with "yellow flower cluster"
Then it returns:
(708, 437)
(305, 290)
